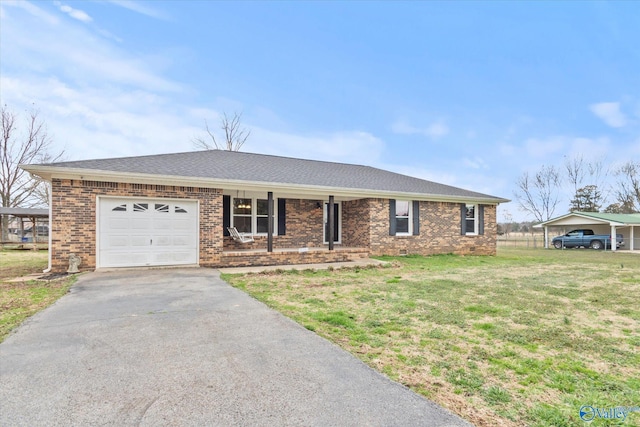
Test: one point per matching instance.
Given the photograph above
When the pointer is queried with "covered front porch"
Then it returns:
(292, 228)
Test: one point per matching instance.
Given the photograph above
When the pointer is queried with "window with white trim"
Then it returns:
(404, 221)
(262, 216)
(251, 216)
(471, 220)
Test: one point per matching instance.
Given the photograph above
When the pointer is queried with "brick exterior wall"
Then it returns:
(365, 226)
(439, 231)
(356, 219)
(74, 217)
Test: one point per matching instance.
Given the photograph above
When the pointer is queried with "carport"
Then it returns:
(33, 215)
(624, 224)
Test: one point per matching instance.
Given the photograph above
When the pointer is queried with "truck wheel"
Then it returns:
(557, 244)
(596, 244)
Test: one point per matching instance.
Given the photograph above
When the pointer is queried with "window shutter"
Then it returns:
(416, 218)
(392, 217)
(481, 219)
(226, 215)
(463, 219)
(282, 217)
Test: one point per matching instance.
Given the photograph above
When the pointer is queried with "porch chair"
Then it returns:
(238, 237)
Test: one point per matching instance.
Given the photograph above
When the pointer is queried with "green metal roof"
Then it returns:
(627, 219)
(622, 218)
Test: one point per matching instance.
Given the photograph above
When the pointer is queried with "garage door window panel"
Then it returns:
(140, 207)
(162, 208)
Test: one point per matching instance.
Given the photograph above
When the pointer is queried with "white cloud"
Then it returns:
(344, 146)
(31, 9)
(542, 148)
(610, 113)
(94, 123)
(138, 7)
(74, 13)
(590, 148)
(475, 163)
(435, 130)
(73, 53)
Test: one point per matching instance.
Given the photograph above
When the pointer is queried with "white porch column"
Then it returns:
(546, 237)
(613, 238)
(631, 237)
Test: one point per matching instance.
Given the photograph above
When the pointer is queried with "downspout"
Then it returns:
(48, 269)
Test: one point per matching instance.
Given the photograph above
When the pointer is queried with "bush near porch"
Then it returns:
(523, 338)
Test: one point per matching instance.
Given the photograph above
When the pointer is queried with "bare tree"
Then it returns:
(21, 146)
(235, 135)
(627, 191)
(585, 177)
(539, 195)
(575, 171)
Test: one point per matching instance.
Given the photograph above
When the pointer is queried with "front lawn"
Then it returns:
(523, 338)
(19, 300)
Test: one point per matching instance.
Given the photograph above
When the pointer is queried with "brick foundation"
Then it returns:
(290, 257)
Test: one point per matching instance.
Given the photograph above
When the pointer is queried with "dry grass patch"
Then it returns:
(524, 338)
(22, 299)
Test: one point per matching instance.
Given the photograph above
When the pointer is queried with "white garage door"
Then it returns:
(140, 232)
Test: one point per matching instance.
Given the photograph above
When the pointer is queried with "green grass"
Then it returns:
(22, 299)
(523, 338)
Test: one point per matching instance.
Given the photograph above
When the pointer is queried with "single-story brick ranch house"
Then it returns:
(175, 209)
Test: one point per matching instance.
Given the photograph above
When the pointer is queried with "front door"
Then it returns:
(336, 222)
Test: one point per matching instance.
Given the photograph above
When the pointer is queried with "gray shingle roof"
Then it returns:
(260, 168)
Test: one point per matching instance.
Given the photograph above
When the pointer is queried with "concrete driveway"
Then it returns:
(182, 347)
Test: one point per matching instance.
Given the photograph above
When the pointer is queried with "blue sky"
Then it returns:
(470, 94)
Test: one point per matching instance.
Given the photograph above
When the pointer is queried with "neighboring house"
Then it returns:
(600, 223)
(174, 209)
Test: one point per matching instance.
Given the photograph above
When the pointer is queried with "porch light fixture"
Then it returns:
(242, 205)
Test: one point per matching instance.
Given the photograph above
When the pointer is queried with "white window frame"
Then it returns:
(476, 222)
(254, 215)
(409, 217)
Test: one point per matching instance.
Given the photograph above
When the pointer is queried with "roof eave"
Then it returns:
(581, 215)
(49, 172)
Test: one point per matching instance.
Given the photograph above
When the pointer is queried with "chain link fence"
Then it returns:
(532, 242)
